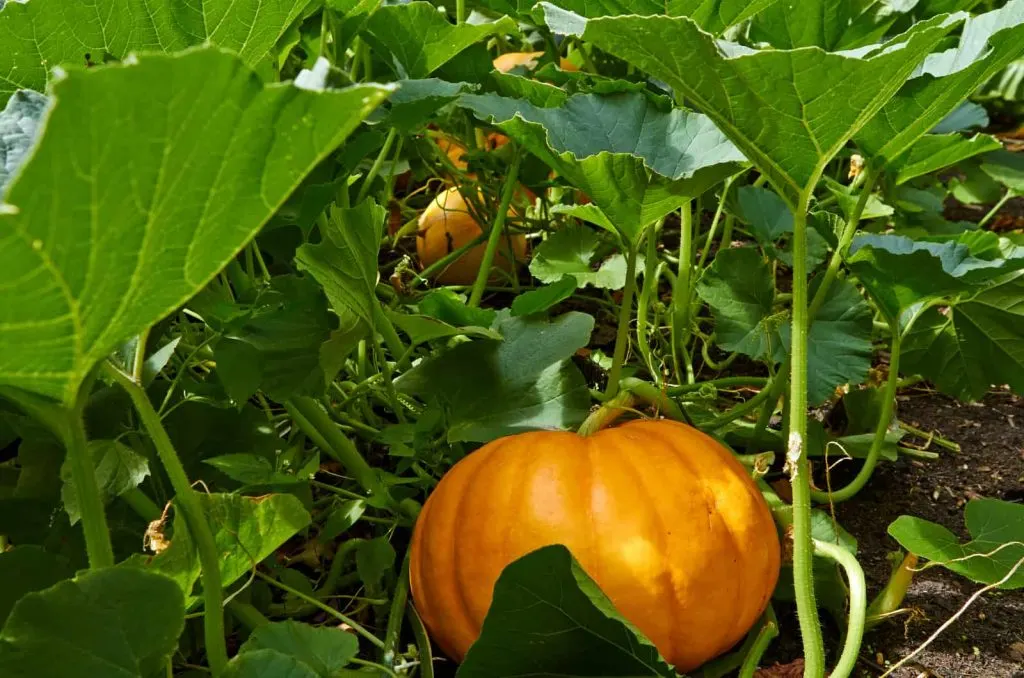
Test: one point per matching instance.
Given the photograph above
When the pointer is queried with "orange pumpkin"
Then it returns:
(528, 60)
(666, 521)
(445, 226)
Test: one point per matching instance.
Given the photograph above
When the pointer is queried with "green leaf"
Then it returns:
(420, 39)
(711, 15)
(523, 383)
(268, 663)
(987, 44)
(285, 343)
(933, 152)
(117, 622)
(635, 161)
(997, 532)
(771, 219)
(789, 112)
(839, 342)
(417, 101)
(373, 560)
(186, 158)
(741, 293)
(966, 349)
(253, 469)
(571, 252)
(541, 299)
(451, 308)
(900, 272)
(423, 328)
(549, 618)
(345, 262)
(119, 469)
(246, 530)
(829, 24)
(342, 517)
(966, 116)
(323, 649)
(19, 124)
(24, 569)
(37, 37)
(1007, 168)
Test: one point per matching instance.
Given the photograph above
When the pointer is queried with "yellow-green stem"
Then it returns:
(881, 428)
(681, 292)
(187, 500)
(625, 313)
(796, 453)
(497, 229)
(858, 605)
(768, 632)
(90, 501)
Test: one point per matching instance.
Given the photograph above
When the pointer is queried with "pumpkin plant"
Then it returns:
(226, 389)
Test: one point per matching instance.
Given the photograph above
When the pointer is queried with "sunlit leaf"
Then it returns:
(185, 158)
(933, 152)
(995, 548)
(572, 252)
(35, 37)
(789, 112)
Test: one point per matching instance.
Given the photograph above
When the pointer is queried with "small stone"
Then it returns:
(1016, 651)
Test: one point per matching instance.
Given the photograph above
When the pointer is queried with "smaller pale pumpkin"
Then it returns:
(528, 60)
(445, 226)
(663, 517)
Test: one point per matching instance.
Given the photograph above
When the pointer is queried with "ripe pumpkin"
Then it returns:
(663, 518)
(506, 62)
(445, 226)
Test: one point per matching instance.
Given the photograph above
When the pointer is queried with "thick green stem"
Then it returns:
(247, 615)
(681, 291)
(881, 428)
(890, 598)
(419, 634)
(189, 503)
(858, 605)
(652, 273)
(625, 313)
(378, 162)
(497, 229)
(871, 175)
(796, 453)
(90, 501)
(387, 331)
(768, 632)
(460, 11)
(396, 615)
(321, 429)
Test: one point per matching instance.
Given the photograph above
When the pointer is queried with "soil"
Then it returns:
(988, 640)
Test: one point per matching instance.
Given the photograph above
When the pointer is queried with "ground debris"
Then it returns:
(794, 669)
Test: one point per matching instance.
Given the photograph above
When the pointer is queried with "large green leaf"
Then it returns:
(245, 529)
(900, 272)
(38, 36)
(966, 349)
(24, 569)
(345, 262)
(324, 649)
(572, 251)
(420, 39)
(115, 622)
(522, 383)
(635, 161)
(148, 179)
(741, 293)
(788, 111)
(19, 122)
(286, 342)
(268, 663)
(937, 151)
(549, 618)
(829, 24)
(995, 548)
(987, 44)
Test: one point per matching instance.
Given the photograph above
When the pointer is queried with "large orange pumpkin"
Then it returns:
(445, 226)
(664, 519)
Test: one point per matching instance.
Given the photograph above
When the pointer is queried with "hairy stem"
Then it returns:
(396, 614)
(796, 453)
(881, 428)
(858, 605)
(681, 292)
(90, 501)
(190, 505)
(497, 229)
(625, 313)
(378, 162)
(768, 632)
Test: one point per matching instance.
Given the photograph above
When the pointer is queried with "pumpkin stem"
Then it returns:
(606, 414)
